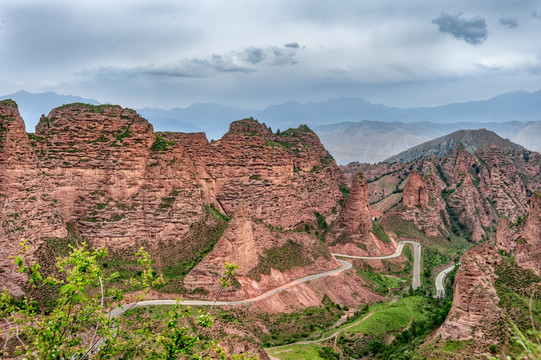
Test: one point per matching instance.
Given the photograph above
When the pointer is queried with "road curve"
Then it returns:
(440, 289)
(346, 265)
(416, 283)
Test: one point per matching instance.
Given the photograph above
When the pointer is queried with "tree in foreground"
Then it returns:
(81, 324)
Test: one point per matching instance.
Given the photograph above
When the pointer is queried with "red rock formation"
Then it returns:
(102, 169)
(351, 234)
(467, 193)
(415, 192)
(267, 258)
(523, 238)
(475, 308)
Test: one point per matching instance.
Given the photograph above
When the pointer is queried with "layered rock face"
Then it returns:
(523, 238)
(351, 234)
(267, 258)
(475, 310)
(103, 170)
(284, 178)
(466, 193)
(415, 191)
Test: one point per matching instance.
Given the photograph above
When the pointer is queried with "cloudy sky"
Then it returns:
(254, 53)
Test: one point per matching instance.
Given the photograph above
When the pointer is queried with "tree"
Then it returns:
(82, 325)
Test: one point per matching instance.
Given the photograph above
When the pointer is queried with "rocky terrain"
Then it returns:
(352, 232)
(522, 238)
(470, 139)
(100, 173)
(475, 312)
(467, 192)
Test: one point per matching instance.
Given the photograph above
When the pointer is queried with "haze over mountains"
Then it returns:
(352, 129)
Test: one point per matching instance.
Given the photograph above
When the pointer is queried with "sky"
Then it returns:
(255, 53)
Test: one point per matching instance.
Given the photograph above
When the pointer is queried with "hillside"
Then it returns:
(470, 139)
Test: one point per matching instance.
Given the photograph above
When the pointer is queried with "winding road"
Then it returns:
(440, 288)
(346, 265)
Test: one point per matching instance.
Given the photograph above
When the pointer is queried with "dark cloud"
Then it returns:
(510, 23)
(293, 45)
(473, 30)
(254, 55)
(536, 15)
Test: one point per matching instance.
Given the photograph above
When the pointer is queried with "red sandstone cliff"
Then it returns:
(351, 234)
(475, 310)
(467, 193)
(523, 238)
(104, 170)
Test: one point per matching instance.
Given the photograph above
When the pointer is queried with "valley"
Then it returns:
(352, 261)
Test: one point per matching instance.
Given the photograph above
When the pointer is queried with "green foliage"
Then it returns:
(379, 283)
(80, 326)
(282, 258)
(377, 229)
(321, 221)
(8, 102)
(290, 327)
(519, 221)
(162, 144)
(344, 189)
(327, 353)
(218, 214)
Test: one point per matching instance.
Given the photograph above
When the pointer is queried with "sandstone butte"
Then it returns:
(351, 233)
(103, 173)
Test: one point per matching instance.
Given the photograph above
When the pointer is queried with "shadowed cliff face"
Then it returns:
(103, 170)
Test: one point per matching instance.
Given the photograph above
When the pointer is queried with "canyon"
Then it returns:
(275, 204)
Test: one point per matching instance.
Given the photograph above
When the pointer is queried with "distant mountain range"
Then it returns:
(470, 139)
(352, 129)
(373, 141)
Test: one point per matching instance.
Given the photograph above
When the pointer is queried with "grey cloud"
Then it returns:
(245, 61)
(536, 15)
(473, 30)
(510, 23)
(283, 57)
(293, 45)
(254, 55)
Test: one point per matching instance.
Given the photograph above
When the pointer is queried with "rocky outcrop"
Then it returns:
(103, 171)
(351, 234)
(267, 258)
(522, 238)
(416, 191)
(467, 192)
(475, 312)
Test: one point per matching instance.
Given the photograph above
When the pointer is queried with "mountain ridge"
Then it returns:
(470, 139)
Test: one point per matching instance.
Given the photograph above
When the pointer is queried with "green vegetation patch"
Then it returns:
(299, 325)
(8, 102)
(297, 351)
(515, 286)
(93, 108)
(282, 258)
(162, 144)
(377, 229)
(394, 317)
(380, 283)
